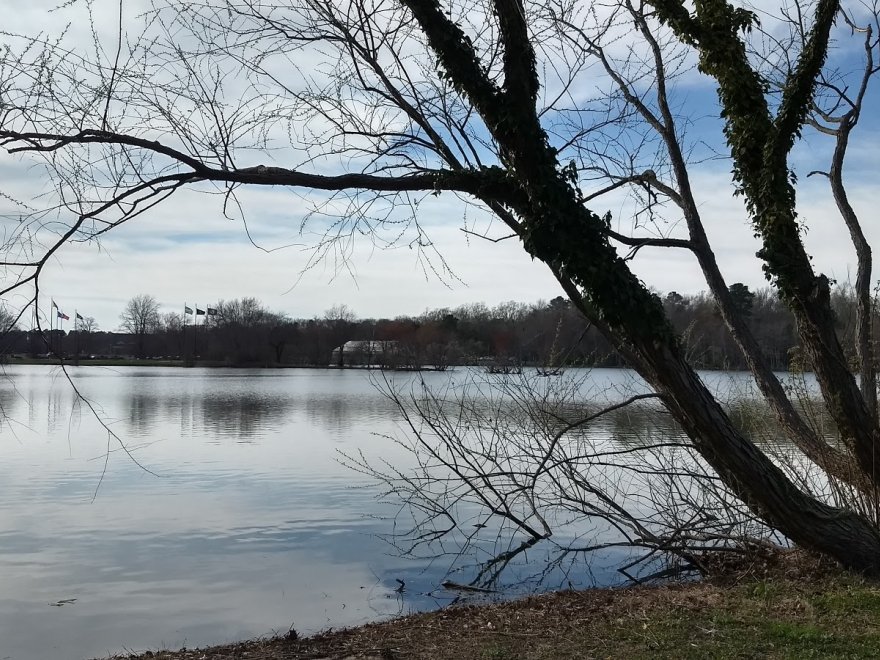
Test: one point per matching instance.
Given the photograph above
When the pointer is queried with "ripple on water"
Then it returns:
(251, 525)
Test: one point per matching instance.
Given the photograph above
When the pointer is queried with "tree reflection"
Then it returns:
(505, 466)
(143, 412)
(244, 415)
(8, 399)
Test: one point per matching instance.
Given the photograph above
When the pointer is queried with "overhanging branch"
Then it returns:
(488, 183)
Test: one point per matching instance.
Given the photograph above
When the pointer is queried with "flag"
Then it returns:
(79, 317)
(187, 310)
(212, 311)
(54, 304)
(200, 312)
(62, 315)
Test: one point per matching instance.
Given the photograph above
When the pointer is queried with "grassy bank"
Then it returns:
(789, 612)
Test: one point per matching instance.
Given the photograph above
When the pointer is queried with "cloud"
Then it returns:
(375, 282)
(187, 250)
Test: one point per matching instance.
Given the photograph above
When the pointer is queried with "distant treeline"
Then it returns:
(549, 334)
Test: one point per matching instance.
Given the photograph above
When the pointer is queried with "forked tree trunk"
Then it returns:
(743, 467)
(634, 319)
(557, 229)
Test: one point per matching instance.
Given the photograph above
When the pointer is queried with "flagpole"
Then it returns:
(33, 329)
(52, 326)
(206, 332)
(195, 331)
(183, 340)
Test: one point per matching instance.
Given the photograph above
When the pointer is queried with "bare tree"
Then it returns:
(8, 324)
(339, 320)
(341, 313)
(141, 318)
(245, 312)
(404, 100)
(8, 320)
(507, 462)
(244, 325)
(836, 114)
(88, 324)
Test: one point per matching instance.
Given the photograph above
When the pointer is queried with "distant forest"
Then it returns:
(552, 334)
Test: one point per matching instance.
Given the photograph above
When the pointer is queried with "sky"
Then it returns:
(185, 251)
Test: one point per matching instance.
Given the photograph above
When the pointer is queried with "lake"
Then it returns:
(227, 516)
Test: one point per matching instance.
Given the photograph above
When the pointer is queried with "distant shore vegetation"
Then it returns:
(549, 335)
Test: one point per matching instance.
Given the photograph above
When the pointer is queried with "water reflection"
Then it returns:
(251, 524)
(243, 416)
(143, 412)
(550, 466)
(8, 399)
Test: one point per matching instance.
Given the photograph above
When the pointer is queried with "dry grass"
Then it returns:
(793, 609)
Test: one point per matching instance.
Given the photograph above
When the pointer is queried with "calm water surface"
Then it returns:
(229, 517)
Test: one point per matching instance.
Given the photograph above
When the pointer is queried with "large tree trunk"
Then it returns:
(746, 470)
(841, 534)
(557, 229)
(566, 236)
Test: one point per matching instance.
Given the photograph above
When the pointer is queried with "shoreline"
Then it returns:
(793, 608)
(215, 364)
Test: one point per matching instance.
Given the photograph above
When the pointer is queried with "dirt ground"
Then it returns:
(795, 610)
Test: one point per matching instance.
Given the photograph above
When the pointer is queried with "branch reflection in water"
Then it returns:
(253, 524)
(504, 464)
